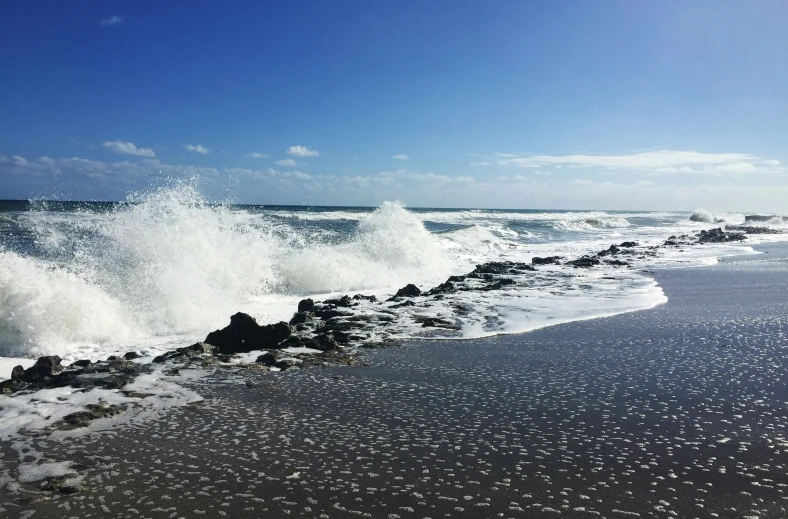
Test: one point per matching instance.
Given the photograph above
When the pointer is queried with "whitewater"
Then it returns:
(89, 280)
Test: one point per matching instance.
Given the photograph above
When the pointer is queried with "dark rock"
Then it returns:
(202, 348)
(447, 287)
(499, 284)
(17, 372)
(113, 358)
(760, 217)
(244, 335)
(407, 302)
(326, 313)
(343, 301)
(609, 252)
(671, 243)
(131, 355)
(9, 387)
(159, 359)
(584, 262)
(501, 267)
(83, 363)
(83, 418)
(617, 263)
(371, 299)
(628, 244)
(305, 305)
(752, 230)
(300, 317)
(266, 359)
(550, 260)
(409, 290)
(325, 342)
(436, 322)
(288, 363)
(43, 368)
(719, 236)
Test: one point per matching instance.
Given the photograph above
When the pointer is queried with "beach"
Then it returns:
(678, 410)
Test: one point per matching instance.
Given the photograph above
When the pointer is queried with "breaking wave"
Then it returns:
(170, 263)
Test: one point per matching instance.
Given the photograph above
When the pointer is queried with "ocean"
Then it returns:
(93, 279)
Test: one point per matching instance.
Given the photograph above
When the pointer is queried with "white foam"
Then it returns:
(171, 267)
(32, 413)
(167, 269)
(29, 472)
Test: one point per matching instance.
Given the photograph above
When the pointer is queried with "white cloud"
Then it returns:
(202, 150)
(22, 177)
(128, 148)
(256, 155)
(401, 156)
(113, 20)
(302, 151)
(287, 162)
(655, 162)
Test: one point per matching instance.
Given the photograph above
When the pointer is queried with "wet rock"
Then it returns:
(752, 230)
(113, 358)
(584, 262)
(719, 236)
(550, 260)
(325, 342)
(502, 267)
(159, 359)
(344, 302)
(609, 252)
(617, 263)
(305, 305)
(760, 217)
(83, 418)
(499, 284)
(244, 335)
(628, 244)
(435, 322)
(409, 290)
(447, 287)
(43, 368)
(266, 359)
(359, 297)
(288, 363)
(407, 302)
(17, 372)
(11, 386)
(131, 355)
(327, 313)
(64, 484)
(300, 317)
(83, 363)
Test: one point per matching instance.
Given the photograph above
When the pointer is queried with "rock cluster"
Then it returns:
(719, 236)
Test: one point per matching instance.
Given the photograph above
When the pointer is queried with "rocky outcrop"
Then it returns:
(584, 262)
(409, 290)
(243, 334)
(747, 229)
(550, 260)
(719, 236)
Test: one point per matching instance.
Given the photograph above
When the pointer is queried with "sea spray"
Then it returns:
(171, 264)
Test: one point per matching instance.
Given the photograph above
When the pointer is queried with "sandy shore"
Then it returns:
(676, 411)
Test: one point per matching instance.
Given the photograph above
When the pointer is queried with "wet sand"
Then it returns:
(677, 411)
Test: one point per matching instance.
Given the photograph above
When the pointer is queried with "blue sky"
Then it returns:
(570, 104)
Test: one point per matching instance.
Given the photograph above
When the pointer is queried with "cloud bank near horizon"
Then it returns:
(654, 180)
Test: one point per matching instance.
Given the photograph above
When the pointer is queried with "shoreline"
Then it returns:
(594, 408)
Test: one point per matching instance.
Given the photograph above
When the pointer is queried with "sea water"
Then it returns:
(88, 280)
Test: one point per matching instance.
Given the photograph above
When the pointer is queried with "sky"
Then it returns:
(508, 104)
